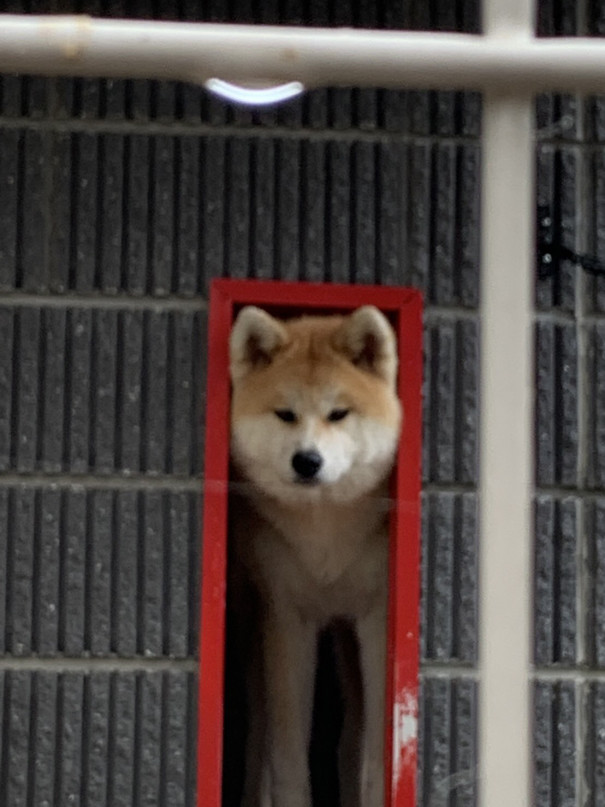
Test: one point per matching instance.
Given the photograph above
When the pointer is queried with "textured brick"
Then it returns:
(213, 212)
(363, 259)
(596, 408)
(52, 382)
(556, 404)
(284, 208)
(313, 208)
(85, 212)
(181, 575)
(58, 211)
(5, 527)
(126, 566)
(70, 730)
(448, 752)
(419, 215)
(288, 210)
(11, 95)
(74, 604)
(339, 184)
(44, 703)
(594, 768)
(595, 572)
(6, 387)
(80, 374)
(121, 746)
(87, 98)
(20, 573)
(152, 570)
(98, 572)
(237, 208)
(104, 361)
(163, 208)
(263, 180)
(449, 567)
(595, 229)
(154, 414)
(27, 392)
(188, 238)
(555, 592)
(101, 390)
(110, 222)
(558, 117)
(467, 223)
(32, 271)
(390, 200)
(139, 219)
(130, 393)
(149, 763)
(450, 402)
(47, 570)
(17, 739)
(554, 744)
(180, 709)
(11, 155)
(96, 739)
(558, 173)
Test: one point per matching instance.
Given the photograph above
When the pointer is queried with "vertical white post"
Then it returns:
(506, 434)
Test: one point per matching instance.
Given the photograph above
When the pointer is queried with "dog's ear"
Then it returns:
(255, 338)
(368, 340)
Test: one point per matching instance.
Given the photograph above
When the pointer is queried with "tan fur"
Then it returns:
(314, 550)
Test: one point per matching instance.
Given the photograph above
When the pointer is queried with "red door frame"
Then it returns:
(403, 306)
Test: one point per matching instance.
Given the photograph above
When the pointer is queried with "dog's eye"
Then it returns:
(338, 414)
(287, 415)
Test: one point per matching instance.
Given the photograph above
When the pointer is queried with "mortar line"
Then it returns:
(105, 300)
(177, 128)
(578, 675)
(102, 301)
(91, 482)
(555, 317)
(437, 669)
(137, 481)
(584, 493)
(93, 665)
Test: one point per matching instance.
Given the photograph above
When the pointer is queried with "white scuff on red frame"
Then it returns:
(405, 732)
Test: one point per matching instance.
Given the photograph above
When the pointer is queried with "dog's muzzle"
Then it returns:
(306, 465)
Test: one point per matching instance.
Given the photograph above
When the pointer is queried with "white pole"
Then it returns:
(506, 435)
(82, 46)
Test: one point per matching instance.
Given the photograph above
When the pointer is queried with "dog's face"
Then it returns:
(314, 409)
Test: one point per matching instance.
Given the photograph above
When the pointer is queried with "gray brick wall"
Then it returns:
(119, 201)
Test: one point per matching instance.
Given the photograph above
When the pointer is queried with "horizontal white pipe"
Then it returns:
(318, 57)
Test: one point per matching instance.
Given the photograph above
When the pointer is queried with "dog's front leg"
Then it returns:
(290, 645)
(371, 631)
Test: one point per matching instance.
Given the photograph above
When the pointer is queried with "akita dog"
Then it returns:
(315, 423)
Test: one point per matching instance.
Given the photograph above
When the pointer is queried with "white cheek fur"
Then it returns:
(356, 457)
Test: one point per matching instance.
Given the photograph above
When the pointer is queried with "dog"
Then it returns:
(315, 424)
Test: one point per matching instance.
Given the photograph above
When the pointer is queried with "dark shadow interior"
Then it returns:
(328, 713)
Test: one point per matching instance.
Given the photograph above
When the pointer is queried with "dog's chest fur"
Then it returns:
(328, 559)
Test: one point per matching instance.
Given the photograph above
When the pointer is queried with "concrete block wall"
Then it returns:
(119, 201)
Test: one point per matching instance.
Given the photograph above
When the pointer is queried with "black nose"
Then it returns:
(307, 463)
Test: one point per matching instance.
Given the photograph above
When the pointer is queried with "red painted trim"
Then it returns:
(404, 307)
